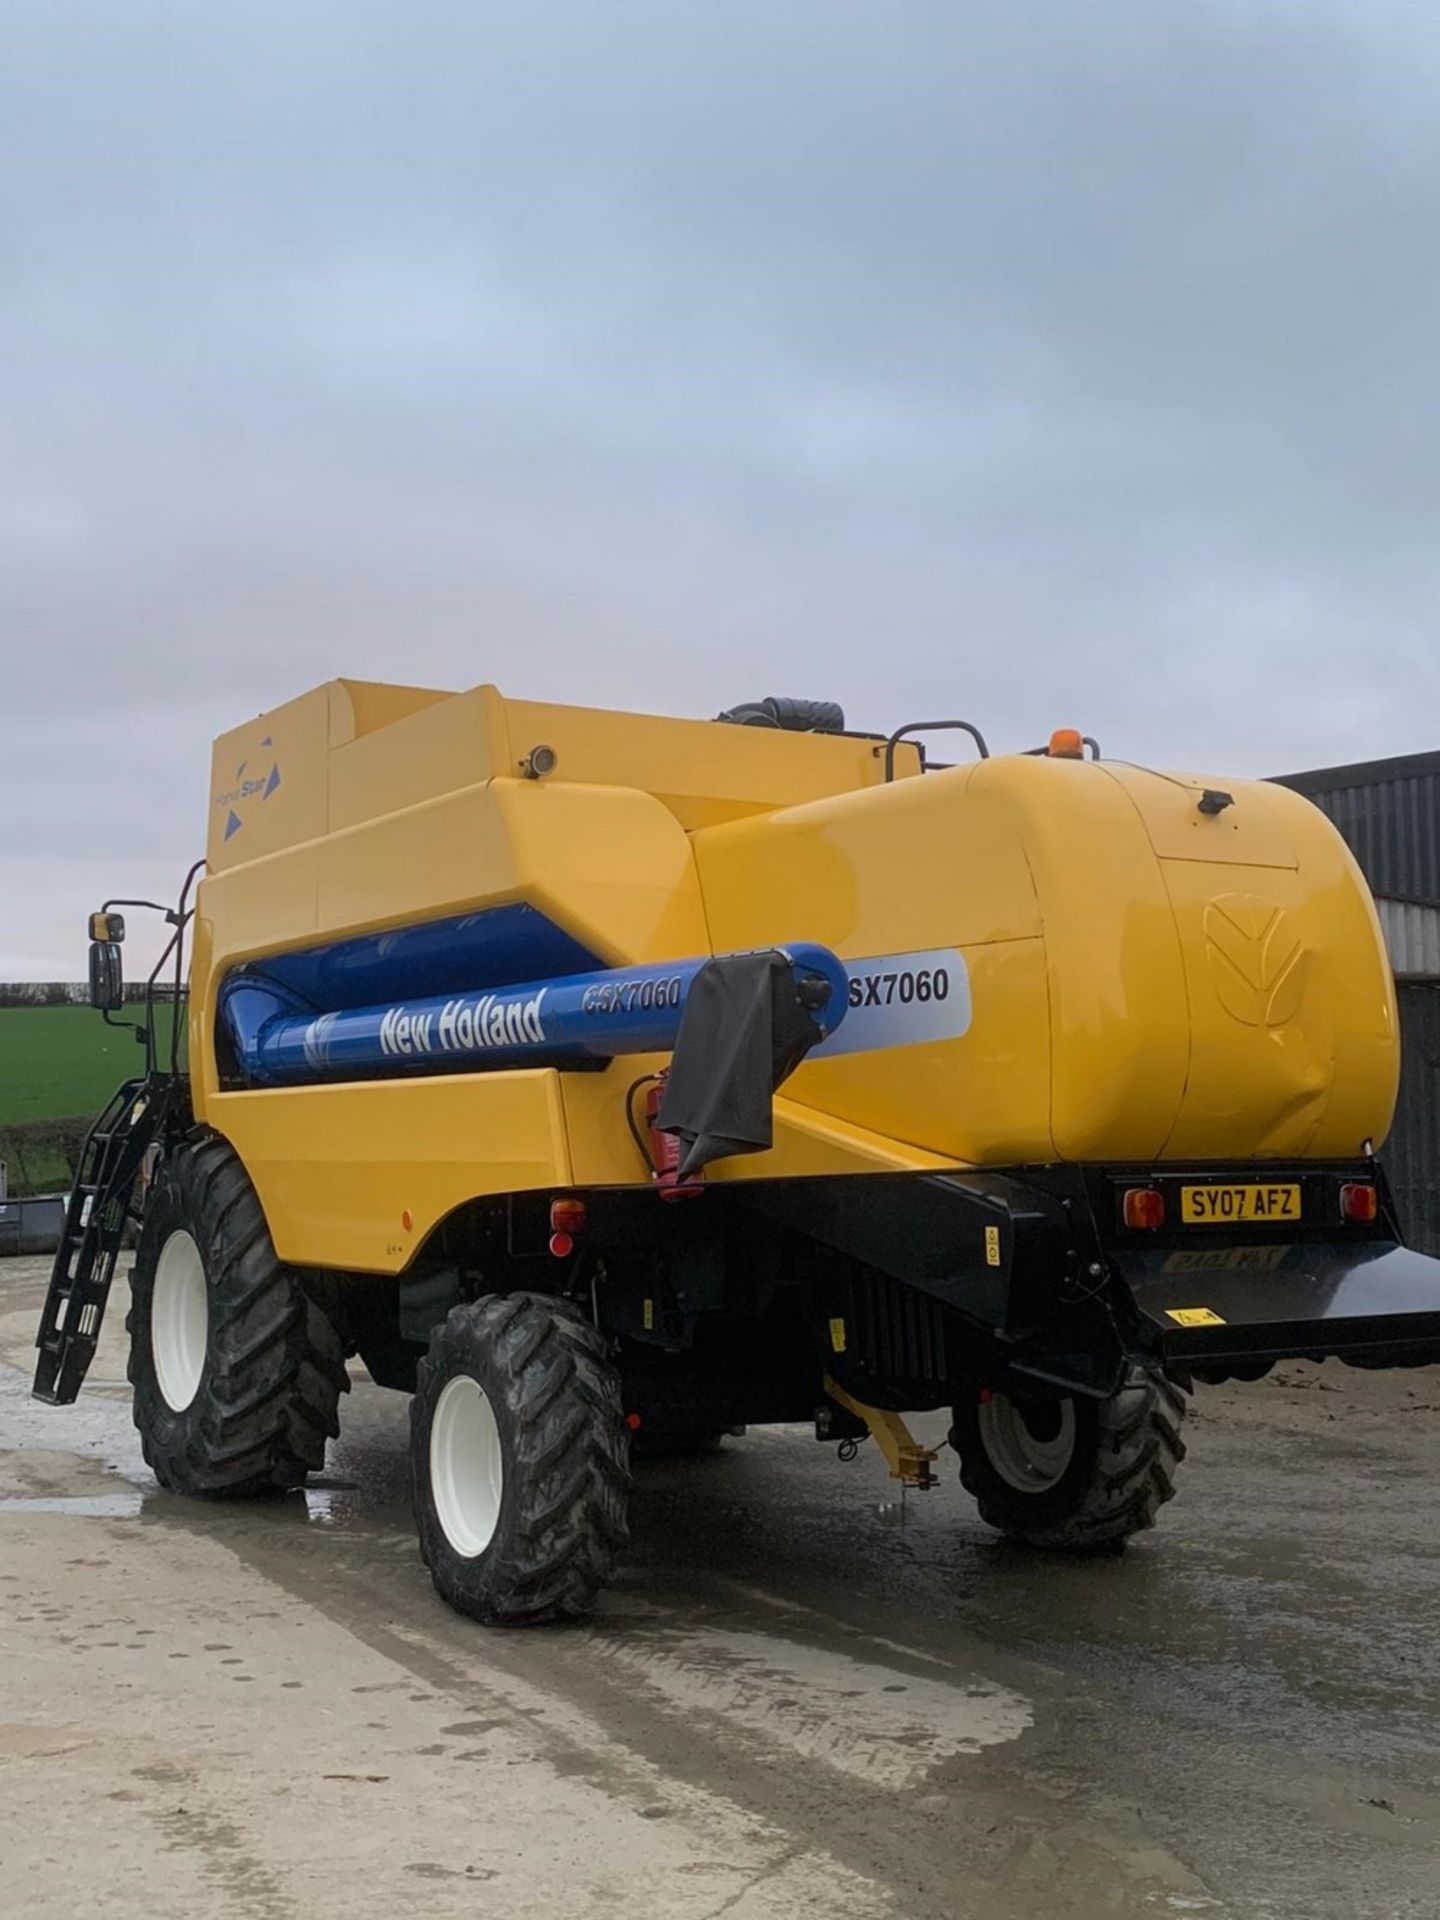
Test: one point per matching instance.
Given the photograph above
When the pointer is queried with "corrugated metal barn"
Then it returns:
(1389, 811)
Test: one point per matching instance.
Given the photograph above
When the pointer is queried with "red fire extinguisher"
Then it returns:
(665, 1150)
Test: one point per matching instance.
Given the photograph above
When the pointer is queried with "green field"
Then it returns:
(60, 1060)
(56, 1063)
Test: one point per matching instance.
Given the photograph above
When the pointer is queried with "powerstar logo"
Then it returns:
(464, 1026)
(246, 789)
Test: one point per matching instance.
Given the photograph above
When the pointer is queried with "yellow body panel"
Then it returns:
(886, 872)
(1147, 982)
(1191, 987)
(617, 858)
(338, 1168)
(353, 751)
(603, 1151)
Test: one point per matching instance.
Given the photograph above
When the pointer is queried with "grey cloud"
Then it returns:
(1040, 362)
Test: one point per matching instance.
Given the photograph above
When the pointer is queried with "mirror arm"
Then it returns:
(140, 1031)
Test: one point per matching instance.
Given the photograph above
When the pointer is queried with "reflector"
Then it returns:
(1144, 1207)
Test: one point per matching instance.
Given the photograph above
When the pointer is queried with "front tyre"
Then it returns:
(519, 1460)
(1070, 1473)
(237, 1372)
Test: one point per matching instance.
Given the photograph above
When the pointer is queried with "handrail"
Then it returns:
(929, 726)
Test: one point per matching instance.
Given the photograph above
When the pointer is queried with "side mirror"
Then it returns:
(107, 926)
(107, 977)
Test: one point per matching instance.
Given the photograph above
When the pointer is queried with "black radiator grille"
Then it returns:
(892, 1331)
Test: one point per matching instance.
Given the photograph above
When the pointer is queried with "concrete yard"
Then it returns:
(799, 1699)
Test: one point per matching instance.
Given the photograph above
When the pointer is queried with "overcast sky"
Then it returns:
(1042, 363)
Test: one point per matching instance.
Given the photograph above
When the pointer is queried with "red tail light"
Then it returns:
(567, 1218)
(567, 1214)
(1143, 1207)
(1359, 1201)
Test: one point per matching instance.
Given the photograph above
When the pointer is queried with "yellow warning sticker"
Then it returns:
(1194, 1316)
(648, 1316)
(837, 1336)
(992, 1246)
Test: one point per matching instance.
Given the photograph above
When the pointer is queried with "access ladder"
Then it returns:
(100, 1206)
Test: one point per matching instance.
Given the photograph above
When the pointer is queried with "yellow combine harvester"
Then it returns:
(601, 1077)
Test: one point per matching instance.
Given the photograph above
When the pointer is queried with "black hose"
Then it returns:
(645, 1080)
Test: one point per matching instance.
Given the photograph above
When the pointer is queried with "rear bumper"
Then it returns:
(1374, 1302)
(1039, 1260)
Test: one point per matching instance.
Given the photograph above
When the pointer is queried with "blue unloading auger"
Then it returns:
(278, 1040)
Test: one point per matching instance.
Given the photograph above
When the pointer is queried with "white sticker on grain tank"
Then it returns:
(901, 999)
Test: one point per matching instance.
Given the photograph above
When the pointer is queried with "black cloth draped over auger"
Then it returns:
(745, 1029)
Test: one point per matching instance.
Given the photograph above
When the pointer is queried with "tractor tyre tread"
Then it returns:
(1135, 1450)
(275, 1365)
(563, 1520)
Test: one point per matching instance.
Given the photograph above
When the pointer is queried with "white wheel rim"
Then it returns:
(1030, 1460)
(179, 1320)
(467, 1472)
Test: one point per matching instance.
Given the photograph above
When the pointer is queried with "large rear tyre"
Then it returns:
(519, 1460)
(237, 1373)
(1077, 1475)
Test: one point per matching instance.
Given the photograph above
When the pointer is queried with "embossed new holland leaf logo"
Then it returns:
(1257, 960)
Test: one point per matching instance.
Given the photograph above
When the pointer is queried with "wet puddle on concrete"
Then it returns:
(92, 1506)
(338, 1504)
(323, 1506)
(881, 1724)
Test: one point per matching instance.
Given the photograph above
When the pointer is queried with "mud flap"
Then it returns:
(1372, 1302)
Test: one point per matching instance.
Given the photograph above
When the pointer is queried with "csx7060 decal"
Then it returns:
(901, 1000)
(904, 988)
(632, 996)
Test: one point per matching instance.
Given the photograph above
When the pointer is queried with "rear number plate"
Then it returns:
(1220, 1206)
